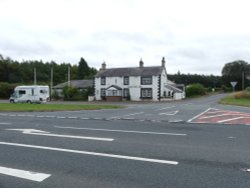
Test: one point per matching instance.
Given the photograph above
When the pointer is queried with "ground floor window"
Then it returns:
(146, 93)
(113, 93)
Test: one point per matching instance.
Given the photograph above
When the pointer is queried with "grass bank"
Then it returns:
(238, 99)
(23, 107)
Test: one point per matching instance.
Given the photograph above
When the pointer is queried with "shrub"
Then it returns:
(248, 89)
(70, 92)
(242, 94)
(195, 90)
(6, 89)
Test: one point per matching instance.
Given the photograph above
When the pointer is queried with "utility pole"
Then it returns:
(35, 76)
(243, 79)
(68, 76)
(51, 81)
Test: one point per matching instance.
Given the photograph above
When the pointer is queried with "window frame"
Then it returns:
(103, 80)
(148, 94)
(126, 80)
(146, 80)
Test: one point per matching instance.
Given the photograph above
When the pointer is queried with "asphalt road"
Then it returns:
(143, 145)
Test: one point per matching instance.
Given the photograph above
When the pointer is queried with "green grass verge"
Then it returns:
(23, 107)
(230, 100)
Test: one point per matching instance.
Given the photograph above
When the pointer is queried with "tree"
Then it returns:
(235, 71)
(83, 69)
(195, 90)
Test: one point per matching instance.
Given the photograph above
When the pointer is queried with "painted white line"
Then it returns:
(29, 175)
(245, 170)
(92, 153)
(175, 121)
(125, 115)
(165, 108)
(50, 116)
(206, 117)
(59, 117)
(122, 131)
(170, 113)
(44, 133)
(84, 118)
(12, 115)
(72, 117)
(21, 115)
(5, 123)
(199, 115)
(30, 115)
(226, 120)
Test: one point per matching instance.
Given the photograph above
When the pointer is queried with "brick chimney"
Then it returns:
(163, 62)
(141, 63)
(103, 66)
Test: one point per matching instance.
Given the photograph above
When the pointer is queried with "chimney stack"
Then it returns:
(163, 62)
(103, 66)
(141, 63)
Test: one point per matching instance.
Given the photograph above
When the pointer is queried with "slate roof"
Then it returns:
(133, 71)
(80, 84)
(175, 89)
(114, 86)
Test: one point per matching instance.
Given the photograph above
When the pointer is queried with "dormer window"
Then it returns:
(103, 80)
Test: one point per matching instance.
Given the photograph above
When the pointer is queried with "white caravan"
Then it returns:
(30, 94)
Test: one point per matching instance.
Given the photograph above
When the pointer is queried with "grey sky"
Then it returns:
(195, 36)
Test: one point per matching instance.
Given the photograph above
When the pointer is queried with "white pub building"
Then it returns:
(136, 84)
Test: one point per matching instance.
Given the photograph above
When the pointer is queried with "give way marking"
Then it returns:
(44, 133)
(92, 153)
(29, 175)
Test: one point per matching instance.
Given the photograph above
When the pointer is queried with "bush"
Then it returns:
(248, 89)
(69, 93)
(6, 89)
(226, 89)
(195, 90)
(242, 94)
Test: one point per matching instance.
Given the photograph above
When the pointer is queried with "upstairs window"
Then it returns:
(126, 80)
(146, 80)
(103, 80)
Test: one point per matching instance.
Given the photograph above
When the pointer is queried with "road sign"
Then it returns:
(233, 84)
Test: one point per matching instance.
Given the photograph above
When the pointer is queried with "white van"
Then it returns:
(30, 94)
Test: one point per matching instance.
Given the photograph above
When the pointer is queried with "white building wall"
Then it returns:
(134, 86)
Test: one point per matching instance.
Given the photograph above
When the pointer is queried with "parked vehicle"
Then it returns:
(30, 94)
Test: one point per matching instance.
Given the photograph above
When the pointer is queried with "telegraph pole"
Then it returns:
(35, 76)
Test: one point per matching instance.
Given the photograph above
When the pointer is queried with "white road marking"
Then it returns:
(245, 170)
(165, 108)
(226, 120)
(118, 117)
(199, 115)
(72, 117)
(92, 153)
(59, 117)
(206, 117)
(5, 123)
(29, 175)
(122, 131)
(170, 113)
(44, 133)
